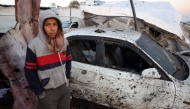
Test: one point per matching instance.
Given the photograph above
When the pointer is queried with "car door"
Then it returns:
(85, 83)
(127, 90)
(85, 75)
(124, 87)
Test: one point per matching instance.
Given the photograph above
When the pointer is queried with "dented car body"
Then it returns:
(125, 69)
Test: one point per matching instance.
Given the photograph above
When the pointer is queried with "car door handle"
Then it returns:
(84, 72)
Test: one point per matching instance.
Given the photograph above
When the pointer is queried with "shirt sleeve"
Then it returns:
(68, 62)
(31, 75)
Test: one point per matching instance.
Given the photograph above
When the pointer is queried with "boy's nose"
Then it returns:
(52, 28)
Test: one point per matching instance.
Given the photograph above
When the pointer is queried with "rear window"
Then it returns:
(165, 59)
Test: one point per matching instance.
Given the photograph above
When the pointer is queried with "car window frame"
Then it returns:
(140, 53)
(86, 37)
(124, 44)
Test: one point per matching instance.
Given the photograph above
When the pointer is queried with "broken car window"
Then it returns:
(168, 61)
(83, 51)
(123, 58)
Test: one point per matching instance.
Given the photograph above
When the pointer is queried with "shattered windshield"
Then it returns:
(165, 59)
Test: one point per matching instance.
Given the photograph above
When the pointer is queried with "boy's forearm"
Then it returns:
(31, 72)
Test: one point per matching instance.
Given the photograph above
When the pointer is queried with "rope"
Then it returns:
(62, 67)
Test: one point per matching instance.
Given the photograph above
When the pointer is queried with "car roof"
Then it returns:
(127, 35)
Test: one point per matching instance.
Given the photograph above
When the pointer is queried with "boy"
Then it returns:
(48, 63)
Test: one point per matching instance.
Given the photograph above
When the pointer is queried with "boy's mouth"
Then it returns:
(52, 34)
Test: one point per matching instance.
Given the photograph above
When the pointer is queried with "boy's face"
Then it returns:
(50, 27)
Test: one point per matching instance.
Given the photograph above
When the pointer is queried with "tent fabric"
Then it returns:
(160, 14)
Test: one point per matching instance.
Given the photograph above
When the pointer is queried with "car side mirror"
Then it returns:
(150, 73)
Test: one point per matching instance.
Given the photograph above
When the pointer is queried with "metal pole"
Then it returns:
(134, 14)
(70, 13)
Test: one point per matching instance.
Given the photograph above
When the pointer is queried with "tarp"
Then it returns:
(160, 14)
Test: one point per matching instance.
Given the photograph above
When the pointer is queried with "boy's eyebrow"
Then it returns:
(47, 23)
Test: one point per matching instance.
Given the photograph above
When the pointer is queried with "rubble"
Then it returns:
(6, 97)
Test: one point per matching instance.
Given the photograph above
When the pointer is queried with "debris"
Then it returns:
(13, 51)
(6, 97)
(3, 92)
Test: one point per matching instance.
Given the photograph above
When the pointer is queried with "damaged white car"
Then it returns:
(116, 66)
(125, 69)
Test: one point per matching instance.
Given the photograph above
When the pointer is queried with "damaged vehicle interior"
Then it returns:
(120, 55)
(109, 54)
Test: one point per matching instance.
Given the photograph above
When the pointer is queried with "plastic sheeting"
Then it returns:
(159, 14)
(3, 92)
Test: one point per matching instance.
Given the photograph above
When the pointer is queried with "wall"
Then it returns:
(64, 14)
(7, 18)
